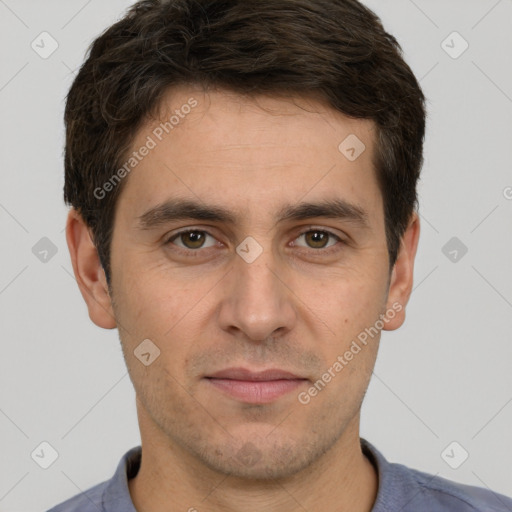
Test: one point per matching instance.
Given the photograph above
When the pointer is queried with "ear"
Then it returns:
(89, 273)
(401, 281)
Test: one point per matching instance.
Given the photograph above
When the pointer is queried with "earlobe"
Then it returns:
(88, 271)
(401, 282)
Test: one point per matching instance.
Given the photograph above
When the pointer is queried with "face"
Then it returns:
(255, 298)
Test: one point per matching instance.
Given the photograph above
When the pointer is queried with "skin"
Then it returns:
(297, 307)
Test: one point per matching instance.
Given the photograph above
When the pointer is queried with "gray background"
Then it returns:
(444, 376)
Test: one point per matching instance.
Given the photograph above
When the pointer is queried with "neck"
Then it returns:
(170, 477)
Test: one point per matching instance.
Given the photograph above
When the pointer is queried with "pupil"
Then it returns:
(318, 238)
(194, 238)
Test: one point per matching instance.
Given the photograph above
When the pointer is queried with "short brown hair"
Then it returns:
(336, 50)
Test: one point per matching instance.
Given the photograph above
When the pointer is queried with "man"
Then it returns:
(242, 178)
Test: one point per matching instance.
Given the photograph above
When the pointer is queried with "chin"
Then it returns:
(258, 459)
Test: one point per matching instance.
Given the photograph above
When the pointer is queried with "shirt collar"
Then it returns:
(116, 496)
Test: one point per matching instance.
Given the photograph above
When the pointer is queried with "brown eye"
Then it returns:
(318, 239)
(193, 239)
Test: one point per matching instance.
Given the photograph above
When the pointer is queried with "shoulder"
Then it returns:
(410, 490)
(88, 501)
(111, 495)
(442, 494)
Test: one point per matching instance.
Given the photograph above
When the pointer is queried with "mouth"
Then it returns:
(256, 387)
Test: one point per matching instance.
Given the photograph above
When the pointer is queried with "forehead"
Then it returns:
(254, 153)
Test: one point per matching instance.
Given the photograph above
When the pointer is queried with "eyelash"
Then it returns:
(195, 252)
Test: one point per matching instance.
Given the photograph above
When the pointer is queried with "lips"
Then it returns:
(256, 387)
(248, 375)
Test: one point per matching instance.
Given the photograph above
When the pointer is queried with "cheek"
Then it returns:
(157, 300)
(350, 303)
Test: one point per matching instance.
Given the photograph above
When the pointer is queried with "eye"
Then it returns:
(195, 239)
(318, 239)
(191, 239)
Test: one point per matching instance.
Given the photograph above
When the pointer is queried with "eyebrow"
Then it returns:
(180, 209)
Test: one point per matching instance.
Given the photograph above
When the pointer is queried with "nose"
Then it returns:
(257, 302)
